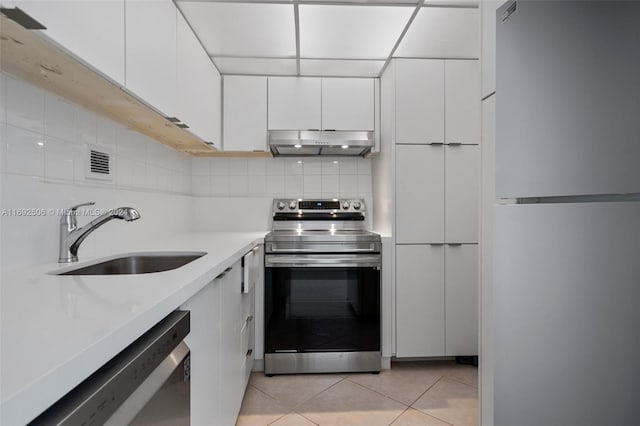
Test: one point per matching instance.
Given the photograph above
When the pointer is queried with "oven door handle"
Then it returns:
(315, 247)
(322, 261)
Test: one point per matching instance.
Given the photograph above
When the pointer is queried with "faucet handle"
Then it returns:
(69, 215)
(74, 208)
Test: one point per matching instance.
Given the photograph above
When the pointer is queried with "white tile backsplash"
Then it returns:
(348, 166)
(348, 185)
(312, 166)
(275, 185)
(25, 152)
(312, 185)
(330, 166)
(293, 185)
(257, 166)
(330, 186)
(293, 167)
(59, 159)
(58, 118)
(43, 153)
(24, 105)
(86, 125)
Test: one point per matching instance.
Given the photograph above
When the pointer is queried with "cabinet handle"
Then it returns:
(455, 143)
(249, 352)
(436, 143)
(454, 244)
(223, 273)
(249, 318)
(436, 244)
(255, 249)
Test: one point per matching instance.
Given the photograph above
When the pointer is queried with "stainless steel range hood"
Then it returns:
(313, 142)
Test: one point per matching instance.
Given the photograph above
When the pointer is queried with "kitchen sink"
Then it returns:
(137, 263)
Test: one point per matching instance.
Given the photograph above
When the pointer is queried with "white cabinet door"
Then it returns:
(348, 104)
(295, 103)
(151, 53)
(198, 84)
(91, 30)
(230, 345)
(461, 183)
(245, 113)
(462, 102)
(419, 300)
(419, 101)
(461, 296)
(419, 194)
(204, 342)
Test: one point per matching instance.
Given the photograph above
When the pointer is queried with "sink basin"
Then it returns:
(137, 263)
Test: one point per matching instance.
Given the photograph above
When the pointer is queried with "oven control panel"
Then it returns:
(345, 205)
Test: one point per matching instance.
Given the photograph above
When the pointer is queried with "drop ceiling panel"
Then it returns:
(442, 33)
(365, 2)
(341, 68)
(243, 29)
(258, 66)
(350, 32)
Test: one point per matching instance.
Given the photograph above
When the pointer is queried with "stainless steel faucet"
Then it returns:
(71, 236)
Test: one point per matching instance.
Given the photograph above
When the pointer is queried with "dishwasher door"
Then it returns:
(148, 383)
(163, 398)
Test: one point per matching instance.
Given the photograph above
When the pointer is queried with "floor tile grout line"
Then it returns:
(460, 381)
(375, 391)
(303, 402)
(422, 394)
(316, 394)
(307, 418)
(401, 414)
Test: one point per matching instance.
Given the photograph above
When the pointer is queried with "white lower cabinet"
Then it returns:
(436, 300)
(419, 300)
(461, 299)
(221, 342)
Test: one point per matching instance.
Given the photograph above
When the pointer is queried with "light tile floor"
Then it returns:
(431, 393)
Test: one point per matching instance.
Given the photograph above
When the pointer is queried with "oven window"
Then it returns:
(322, 309)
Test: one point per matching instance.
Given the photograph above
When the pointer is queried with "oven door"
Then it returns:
(322, 303)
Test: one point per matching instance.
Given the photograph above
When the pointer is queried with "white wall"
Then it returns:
(235, 194)
(42, 160)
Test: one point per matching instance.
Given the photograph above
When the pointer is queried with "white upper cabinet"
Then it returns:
(295, 103)
(419, 101)
(461, 296)
(151, 53)
(419, 194)
(348, 104)
(92, 30)
(198, 86)
(245, 113)
(462, 102)
(462, 189)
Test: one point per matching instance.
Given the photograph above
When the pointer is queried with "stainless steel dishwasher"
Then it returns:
(148, 383)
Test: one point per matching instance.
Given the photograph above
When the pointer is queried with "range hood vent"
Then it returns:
(312, 142)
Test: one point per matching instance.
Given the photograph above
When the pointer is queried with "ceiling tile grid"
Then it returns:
(345, 38)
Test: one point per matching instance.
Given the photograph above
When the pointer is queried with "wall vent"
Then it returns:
(99, 163)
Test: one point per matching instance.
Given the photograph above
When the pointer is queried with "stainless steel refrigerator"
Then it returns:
(567, 215)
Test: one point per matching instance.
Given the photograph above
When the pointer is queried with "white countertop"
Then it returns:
(57, 330)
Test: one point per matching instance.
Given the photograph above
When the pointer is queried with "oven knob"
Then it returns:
(345, 205)
(280, 205)
(357, 205)
(292, 205)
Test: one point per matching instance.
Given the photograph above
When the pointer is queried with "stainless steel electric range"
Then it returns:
(322, 288)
